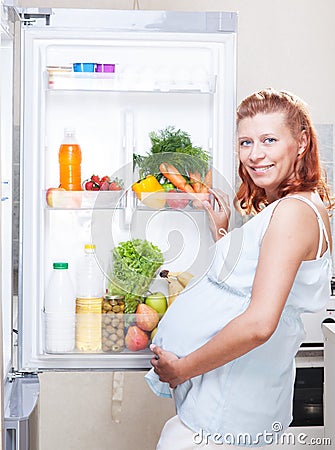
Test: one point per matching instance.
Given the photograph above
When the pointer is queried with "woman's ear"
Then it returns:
(303, 141)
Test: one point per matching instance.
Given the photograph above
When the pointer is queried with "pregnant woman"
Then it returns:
(225, 348)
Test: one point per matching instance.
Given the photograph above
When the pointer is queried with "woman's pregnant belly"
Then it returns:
(196, 315)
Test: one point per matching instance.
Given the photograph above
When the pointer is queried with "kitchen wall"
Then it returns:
(281, 43)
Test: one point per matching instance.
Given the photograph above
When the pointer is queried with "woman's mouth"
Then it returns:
(262, 169)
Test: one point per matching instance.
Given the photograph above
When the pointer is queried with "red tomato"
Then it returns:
(89, 185)
(114, 186)
(95, 179)
(177, 199)
(104, 186)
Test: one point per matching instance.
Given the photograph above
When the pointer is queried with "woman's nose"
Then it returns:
(256, 152)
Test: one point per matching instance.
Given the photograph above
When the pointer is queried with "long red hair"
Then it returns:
(309, 175)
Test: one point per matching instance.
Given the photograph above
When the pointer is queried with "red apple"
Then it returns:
(51, 197)
(146, 317)
(176, 199)
(136, 339)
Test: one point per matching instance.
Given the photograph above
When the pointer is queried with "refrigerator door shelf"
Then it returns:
(61, 199)
(104, 333)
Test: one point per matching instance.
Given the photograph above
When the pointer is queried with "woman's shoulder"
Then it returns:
(296, 210)
(301, 207)
(298, 220)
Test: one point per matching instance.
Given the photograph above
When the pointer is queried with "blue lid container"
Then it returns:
(84, 67)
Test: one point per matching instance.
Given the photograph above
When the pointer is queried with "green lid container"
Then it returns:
(60, 265)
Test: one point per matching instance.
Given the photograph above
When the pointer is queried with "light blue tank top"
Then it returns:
(248, 401)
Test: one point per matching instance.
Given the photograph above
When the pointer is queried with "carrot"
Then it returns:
(176, 178)
(196, 181)
(204, 189)
(207, 183)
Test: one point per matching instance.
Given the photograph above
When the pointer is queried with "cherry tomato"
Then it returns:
(88, 185)
(114, 186)
(104, 186)
(95, 179)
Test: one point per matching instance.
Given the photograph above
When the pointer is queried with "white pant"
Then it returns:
(176, 436)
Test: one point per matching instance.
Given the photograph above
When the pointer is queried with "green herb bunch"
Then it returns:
(174, 147)
(135, 263)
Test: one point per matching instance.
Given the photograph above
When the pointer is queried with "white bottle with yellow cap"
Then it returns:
(89, 302)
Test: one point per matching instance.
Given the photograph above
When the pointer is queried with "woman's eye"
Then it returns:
(269, 140)
(245, 143)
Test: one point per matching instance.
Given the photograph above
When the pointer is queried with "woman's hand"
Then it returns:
(166, 366)
(218, 219)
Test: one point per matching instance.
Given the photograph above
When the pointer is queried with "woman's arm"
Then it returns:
(291, 237)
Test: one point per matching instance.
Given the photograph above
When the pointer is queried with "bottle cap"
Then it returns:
(90, 247)
(60, 265)
(69, 131)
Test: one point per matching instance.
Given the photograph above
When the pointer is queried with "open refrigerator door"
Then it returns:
(18, 394)
(6, 111)
(121, 83)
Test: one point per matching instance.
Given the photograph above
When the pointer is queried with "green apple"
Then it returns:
(157, 301)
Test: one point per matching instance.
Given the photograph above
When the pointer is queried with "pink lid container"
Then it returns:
(110, 68)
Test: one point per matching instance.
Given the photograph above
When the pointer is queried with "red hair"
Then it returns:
(309, 175)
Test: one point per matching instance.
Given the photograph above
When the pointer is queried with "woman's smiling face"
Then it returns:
(268, 150)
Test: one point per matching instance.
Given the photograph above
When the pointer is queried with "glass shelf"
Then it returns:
(171, 200)
(86, 81)
(55, 199)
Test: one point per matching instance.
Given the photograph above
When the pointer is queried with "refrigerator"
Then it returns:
(162, 69)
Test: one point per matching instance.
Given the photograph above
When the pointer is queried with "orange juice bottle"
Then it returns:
(69, 157)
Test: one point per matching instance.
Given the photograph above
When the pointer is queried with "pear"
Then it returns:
(146, 317)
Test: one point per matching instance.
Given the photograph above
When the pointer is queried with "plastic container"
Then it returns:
(59, 311)
(69, 157)
(106, 68)
(89, 302)
(84, 67)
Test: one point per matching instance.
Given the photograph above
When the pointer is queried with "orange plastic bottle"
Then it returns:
(69, 157)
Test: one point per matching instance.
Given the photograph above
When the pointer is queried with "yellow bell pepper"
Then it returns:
(150, 192)
(147, 184)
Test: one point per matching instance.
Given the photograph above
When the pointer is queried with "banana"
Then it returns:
(174, 289)
(184, 278)
(177, 281)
